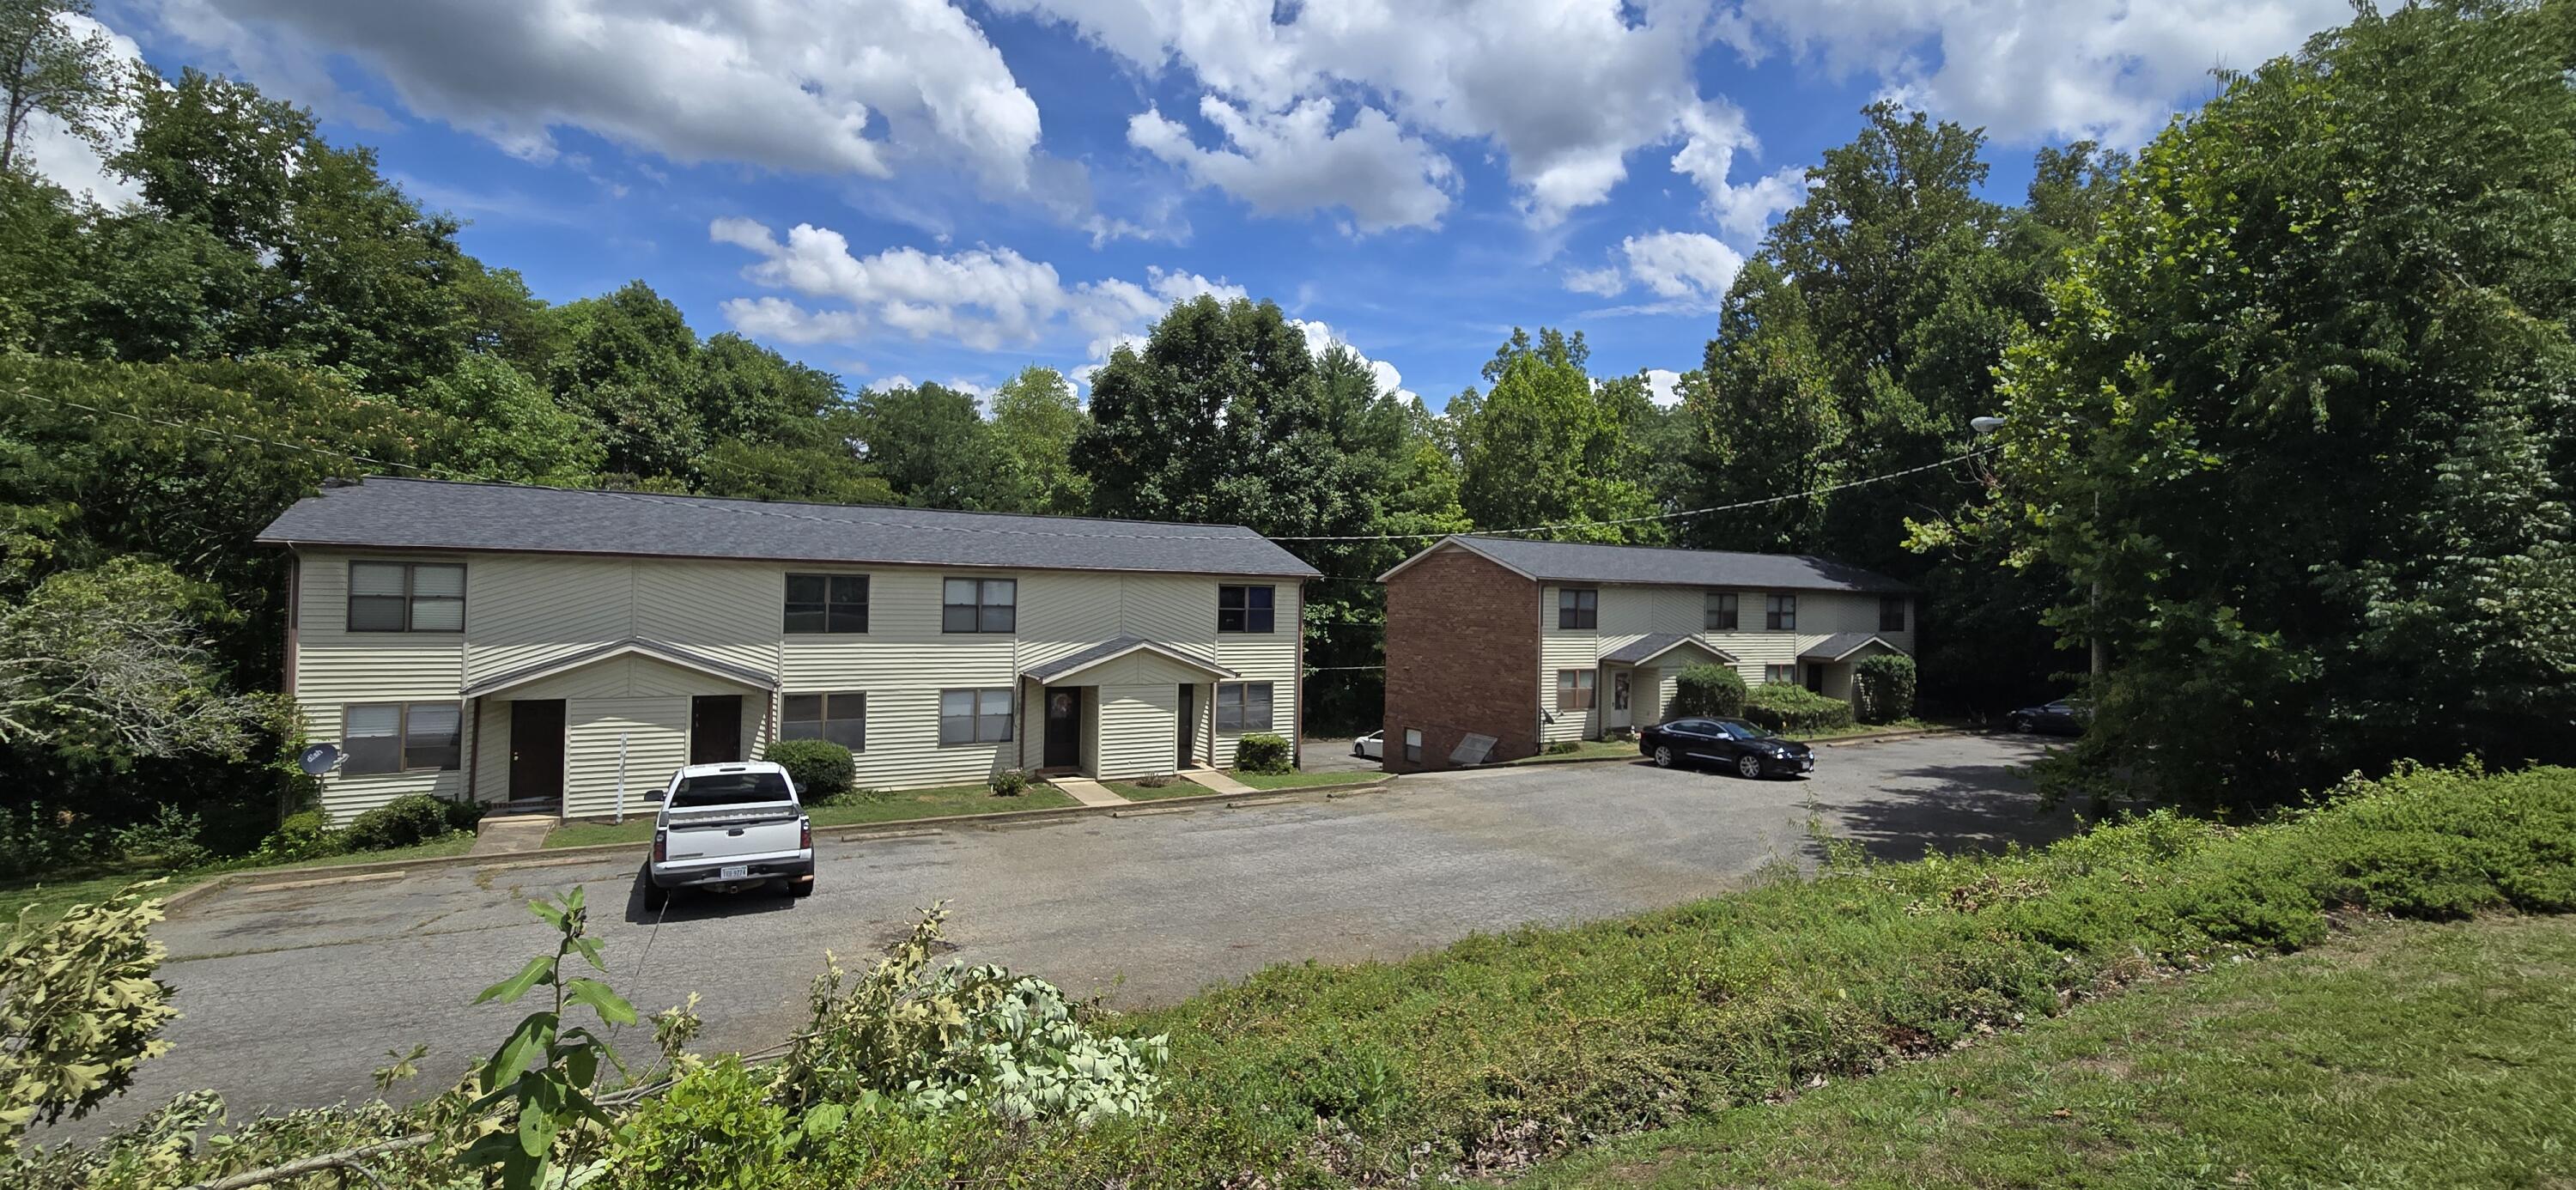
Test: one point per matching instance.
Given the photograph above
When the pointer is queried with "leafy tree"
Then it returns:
(112, 662)
(47, 67)
(510, 427)
(2302, 416)
(933, 446)
(747, 391)
(1036, 420)
(628, 365)
(1170, 421)
(1545, 445)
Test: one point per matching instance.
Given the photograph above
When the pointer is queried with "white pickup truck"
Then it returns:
(730, 826)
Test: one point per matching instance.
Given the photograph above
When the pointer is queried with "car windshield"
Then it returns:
(1742, 731)
(729, 789)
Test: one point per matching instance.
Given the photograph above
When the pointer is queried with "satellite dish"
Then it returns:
(318, 759)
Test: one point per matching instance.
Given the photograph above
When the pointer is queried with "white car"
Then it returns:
(1370, 747)
(730, 826)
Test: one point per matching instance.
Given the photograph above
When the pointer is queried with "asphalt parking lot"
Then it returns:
(292, 996)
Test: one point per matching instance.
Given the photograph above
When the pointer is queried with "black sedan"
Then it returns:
(2062, 717)
(1734, 743)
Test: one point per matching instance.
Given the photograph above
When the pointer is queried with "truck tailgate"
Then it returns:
(730, 832)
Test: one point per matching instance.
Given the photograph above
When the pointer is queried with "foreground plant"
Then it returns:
(550, 1073)
(79, 1009)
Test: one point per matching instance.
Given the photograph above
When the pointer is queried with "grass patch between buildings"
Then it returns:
(898, 806)
(54, 893)
(2400, 1055)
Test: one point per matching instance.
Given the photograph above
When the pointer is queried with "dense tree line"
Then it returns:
(2290, 391)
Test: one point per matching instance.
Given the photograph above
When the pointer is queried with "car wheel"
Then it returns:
(656, 897)
(2023, 725)
(1663, 757)
(1750, 766)
(1358, 751)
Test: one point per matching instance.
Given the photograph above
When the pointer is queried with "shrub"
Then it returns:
(1885, 686)
(1563, 748)
(1154, 780)
(1712, 690)
(715, 1127)
(303, 835)
(402, 822)
(1009, 783)
(169, 839)
(463, 815)
(821, 769)
(1262, 752)
(1786, 708)
(35, 839)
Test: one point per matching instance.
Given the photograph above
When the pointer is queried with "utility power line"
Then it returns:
(751, 508)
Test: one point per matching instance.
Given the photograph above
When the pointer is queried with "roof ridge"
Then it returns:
(695, 497)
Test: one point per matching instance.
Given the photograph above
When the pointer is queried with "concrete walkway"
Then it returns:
(1216, 781)
(507, 834)
(1089, 793)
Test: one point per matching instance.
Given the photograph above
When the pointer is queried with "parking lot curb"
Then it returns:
(263, 879)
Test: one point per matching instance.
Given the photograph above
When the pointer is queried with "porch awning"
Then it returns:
(1062, 668)
(632, 646)
(1843, 644)
(1647, 648)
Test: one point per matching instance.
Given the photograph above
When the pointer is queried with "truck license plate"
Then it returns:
(733, 872)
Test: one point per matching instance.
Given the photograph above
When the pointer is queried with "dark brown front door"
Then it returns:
(1063, 727)
(715, 729)
(1189, 723)
(1815, 678)
(537, 750)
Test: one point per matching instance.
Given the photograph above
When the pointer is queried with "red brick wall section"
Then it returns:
(1462, 653)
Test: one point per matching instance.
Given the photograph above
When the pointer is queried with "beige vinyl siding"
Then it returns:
(1137, 725)
(488, 750)
(902, 663)
(335, 667)
(1260, 657)
(525, 610)
(656, 735)
(1571, 648)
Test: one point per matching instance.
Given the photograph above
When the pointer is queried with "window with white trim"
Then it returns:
(975, 716)
(979, 605)
(395, 737)
(406, 597)
(841, 718)
(1243, 706)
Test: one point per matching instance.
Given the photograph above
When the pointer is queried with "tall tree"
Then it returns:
(2302, 416)
(1546, 445)
(1036, 420)
(930, 442)
(49, 64)
(629, 364)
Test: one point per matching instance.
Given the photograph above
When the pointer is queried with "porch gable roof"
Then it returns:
(1114, 648)
(1652, 645)
(1843, 644)
(631, 646)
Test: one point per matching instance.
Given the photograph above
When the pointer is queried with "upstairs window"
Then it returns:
(839, 718)
(1720, 616)
(1245, 609)
(406, 597)
(827, 603)
(1780, 613)
(1243, 706)
(979, 605)
(1891, 613)
(1578, 608)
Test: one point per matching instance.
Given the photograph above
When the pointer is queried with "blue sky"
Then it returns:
(927, 190)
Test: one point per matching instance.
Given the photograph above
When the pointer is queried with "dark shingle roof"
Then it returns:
(1841, 645)
(385, 513)
(1656, 644)
(1577, 562)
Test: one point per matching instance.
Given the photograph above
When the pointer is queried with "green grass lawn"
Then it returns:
(55, 892)
(2403, 1055)
(1176, 787)
(898, 806)
(1304, 780)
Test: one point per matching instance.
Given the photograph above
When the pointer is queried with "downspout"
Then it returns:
(1297, 736)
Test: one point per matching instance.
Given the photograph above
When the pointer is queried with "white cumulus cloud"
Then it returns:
(1295, 161)
(1685, 272)
(1320, 338)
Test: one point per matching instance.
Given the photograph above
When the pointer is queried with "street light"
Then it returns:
(1986, 426)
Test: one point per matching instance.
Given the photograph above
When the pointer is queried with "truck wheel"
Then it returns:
(655, 896)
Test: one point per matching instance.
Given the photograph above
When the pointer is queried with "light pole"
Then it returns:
(1984, 426)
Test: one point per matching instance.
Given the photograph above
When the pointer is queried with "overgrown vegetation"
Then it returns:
(821, 770)
(1883, 688)
(1795, 710)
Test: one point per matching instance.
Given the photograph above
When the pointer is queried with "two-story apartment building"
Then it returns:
(1504, 645)
(569, 649)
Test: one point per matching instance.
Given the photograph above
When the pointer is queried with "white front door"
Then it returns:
(1623, 694)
